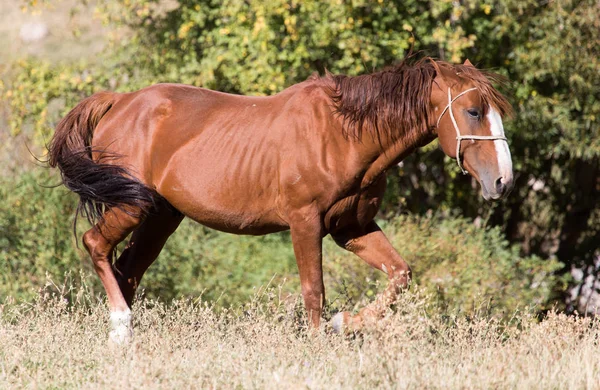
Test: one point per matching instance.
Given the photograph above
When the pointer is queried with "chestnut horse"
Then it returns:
(312, 159)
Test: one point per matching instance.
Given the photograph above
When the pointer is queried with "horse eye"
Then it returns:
(474, 113)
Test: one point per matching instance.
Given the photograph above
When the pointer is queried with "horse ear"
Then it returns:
(468, 63)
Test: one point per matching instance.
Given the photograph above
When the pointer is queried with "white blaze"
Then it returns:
(502, 151)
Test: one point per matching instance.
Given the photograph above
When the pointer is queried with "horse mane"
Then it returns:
(395, 101)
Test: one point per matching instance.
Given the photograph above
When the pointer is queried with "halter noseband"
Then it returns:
(460, 137)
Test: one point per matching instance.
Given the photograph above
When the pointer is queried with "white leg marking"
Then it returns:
(337, 323)
(502, 151)
(122, 329)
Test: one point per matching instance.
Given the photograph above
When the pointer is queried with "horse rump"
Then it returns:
(100, 184)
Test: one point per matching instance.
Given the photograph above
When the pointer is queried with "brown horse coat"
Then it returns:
(311, 158)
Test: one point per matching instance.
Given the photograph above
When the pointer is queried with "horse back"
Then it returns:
(222, 159)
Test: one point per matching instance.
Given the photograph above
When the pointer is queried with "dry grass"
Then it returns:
(50, 343)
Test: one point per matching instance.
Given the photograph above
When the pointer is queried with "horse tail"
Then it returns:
(99, 184)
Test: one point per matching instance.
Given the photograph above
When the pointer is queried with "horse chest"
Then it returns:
(357, 209)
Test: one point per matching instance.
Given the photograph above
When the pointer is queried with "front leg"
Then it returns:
(371, 245)
(307, 238)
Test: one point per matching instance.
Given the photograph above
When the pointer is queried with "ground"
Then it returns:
(60, 341)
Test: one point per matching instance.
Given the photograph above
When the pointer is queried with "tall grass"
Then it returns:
(59, 340)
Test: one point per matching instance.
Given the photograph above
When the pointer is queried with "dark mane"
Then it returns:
(395, 100)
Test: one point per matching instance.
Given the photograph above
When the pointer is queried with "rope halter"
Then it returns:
(460, 137)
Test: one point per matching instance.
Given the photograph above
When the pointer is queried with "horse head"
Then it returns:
(468, 112)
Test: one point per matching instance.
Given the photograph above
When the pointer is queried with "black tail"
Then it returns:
(100, 185)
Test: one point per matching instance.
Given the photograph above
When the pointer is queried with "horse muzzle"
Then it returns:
(497, 189)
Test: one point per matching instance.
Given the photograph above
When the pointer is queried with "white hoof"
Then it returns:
(337, 322)
(121, 336)
(122, 328)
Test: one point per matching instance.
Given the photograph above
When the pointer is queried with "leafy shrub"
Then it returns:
(36, 237)
(549, 51)
(462, 264)
(224, 267)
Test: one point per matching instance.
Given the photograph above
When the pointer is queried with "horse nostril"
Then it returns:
(500, 186)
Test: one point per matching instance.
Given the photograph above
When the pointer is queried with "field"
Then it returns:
(50, 343)
(503, 294)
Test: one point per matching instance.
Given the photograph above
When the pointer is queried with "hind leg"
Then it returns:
(100, 241)
(146, 243)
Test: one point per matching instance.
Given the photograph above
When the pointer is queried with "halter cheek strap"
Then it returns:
(460, 137)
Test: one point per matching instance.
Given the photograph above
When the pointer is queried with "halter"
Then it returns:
(460, 137)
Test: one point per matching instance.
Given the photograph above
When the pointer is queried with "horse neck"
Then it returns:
(380, 154)
(367, 105)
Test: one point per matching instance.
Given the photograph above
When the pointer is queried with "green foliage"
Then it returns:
(261, 47)
(39, 94)
(462, 265)
(466, 265)
(223, 267)
(36, 242)
(36, 236)
(549, 51)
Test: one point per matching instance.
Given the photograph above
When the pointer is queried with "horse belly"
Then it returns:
(213, 197)
(227, 217)
(230, 219)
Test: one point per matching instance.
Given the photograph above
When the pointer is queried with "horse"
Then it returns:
(311, 158)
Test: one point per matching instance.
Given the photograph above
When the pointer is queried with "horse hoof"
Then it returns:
(120, 336)
(122, 330)
(337, 322)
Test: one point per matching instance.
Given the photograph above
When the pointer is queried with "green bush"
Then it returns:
(36, 233)
(463, 265)
(548, 50)
(223, 267)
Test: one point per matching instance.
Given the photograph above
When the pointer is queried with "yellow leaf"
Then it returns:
(184, 30)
